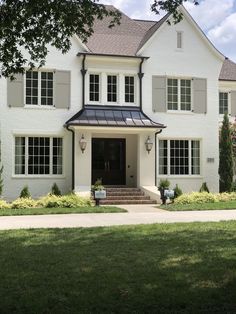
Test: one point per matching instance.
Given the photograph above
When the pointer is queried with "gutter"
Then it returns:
(158, 132)
(109, 55)
(73, 158)
(83, 72)
(140, 75)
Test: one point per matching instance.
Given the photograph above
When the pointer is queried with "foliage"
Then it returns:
(25, 193)
(164, 184)
(23, 203)
(97, 186)
(55, 190)
(196, 197)
(1, 180)
(4, 204)
(65, 201)
(34, 25)
(226, 157)
(177, 191)
(204, 188)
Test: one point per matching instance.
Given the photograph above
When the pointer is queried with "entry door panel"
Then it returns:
(108, 161)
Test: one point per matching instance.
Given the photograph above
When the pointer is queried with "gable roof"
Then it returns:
(228, 71)
(123, 39)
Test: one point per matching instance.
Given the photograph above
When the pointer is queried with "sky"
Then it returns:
(217, 18)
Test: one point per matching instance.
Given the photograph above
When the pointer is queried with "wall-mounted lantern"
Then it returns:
(148, 144)
(82, 143)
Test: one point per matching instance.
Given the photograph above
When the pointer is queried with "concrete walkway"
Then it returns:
(130, 218)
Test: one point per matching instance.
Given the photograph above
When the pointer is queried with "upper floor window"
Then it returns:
(112, 88)
(223, 103)
(179, 157)
(179, 94)
(94, 87)
(39, 88)
(129, 89)
(179, 40)
(38, 155)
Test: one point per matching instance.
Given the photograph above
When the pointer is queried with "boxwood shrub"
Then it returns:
(65, 201)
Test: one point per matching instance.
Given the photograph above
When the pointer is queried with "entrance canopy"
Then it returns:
(112, 116)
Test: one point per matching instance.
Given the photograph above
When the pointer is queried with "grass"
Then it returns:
(204, 206)
(49, 211)
(175, 268)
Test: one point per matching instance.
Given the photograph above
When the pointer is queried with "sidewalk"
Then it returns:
(96, 220)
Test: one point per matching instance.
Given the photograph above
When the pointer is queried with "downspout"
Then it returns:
(140, 75)
(158, 132)
(83, 72)
(73, 158)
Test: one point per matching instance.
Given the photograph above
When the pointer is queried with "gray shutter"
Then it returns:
(233, 103)
(15, 91)
(62, 89)
(199, 95)
(159, 94)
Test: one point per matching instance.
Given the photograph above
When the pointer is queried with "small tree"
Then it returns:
(25, 193)
(55, 190)
(1, 180)
(226, 157)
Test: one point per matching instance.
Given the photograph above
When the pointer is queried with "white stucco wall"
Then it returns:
(194, 60)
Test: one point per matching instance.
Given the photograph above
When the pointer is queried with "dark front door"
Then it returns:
(108, 160)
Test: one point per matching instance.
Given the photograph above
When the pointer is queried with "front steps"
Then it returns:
(124, 196)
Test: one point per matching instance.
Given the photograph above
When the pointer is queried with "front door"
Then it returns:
(108, 160)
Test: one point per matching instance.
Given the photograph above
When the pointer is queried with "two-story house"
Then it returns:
(136, 103)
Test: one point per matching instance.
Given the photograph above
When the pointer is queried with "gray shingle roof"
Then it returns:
(124, 39)
(228, 71)
(115, 116)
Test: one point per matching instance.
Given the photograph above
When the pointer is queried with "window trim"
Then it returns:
(100, 88)
(39, 105)
(179, 110)
(135, 89)
(190, 175)
(229, 102)
(117, 88)
(38, 176)
(177, 34)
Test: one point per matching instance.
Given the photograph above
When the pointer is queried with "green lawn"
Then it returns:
(204, 206)
(49, 211)
(175, 268)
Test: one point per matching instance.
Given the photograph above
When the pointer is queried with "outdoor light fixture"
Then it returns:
(82, 143)
(148, 144)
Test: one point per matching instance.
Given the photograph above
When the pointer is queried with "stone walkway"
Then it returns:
(137, 215)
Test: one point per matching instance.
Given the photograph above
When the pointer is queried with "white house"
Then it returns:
(136, 83)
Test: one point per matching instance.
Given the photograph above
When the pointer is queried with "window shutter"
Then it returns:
(62, 89)
(159, 94)
(233, 103)
(15, 91)
(199, 95)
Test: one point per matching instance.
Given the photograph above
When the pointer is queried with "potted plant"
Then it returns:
(98, 191)
(164, 185)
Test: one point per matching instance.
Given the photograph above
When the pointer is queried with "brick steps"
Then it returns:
(123, 195)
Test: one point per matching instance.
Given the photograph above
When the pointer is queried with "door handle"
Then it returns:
(108, 166)
(105, 166)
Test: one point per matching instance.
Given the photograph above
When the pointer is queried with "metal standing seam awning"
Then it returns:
(112, 116)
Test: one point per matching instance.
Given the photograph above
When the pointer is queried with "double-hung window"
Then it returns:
(179, 94)
(38, 155)
(223, 103)
(179, 157)
(112, 88)
(129, 89)
(94, 87)
(39, 88)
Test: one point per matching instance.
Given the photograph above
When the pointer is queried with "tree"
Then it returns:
(34, 25)
(226, 156)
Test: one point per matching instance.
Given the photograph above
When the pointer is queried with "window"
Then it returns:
(38, 155)
(112, 88)
(179, 40)
(39, 88)
(179, 94)
(223, 103)
(129, 89)
(179, 157)
(94, 82)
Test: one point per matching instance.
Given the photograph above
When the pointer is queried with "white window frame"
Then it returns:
(135, 89)
(50, 175)
(179, 94)
(179, 33)
(229, 102)
(100, 88)
(39, 105)
(117, 88)
(189, 158)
